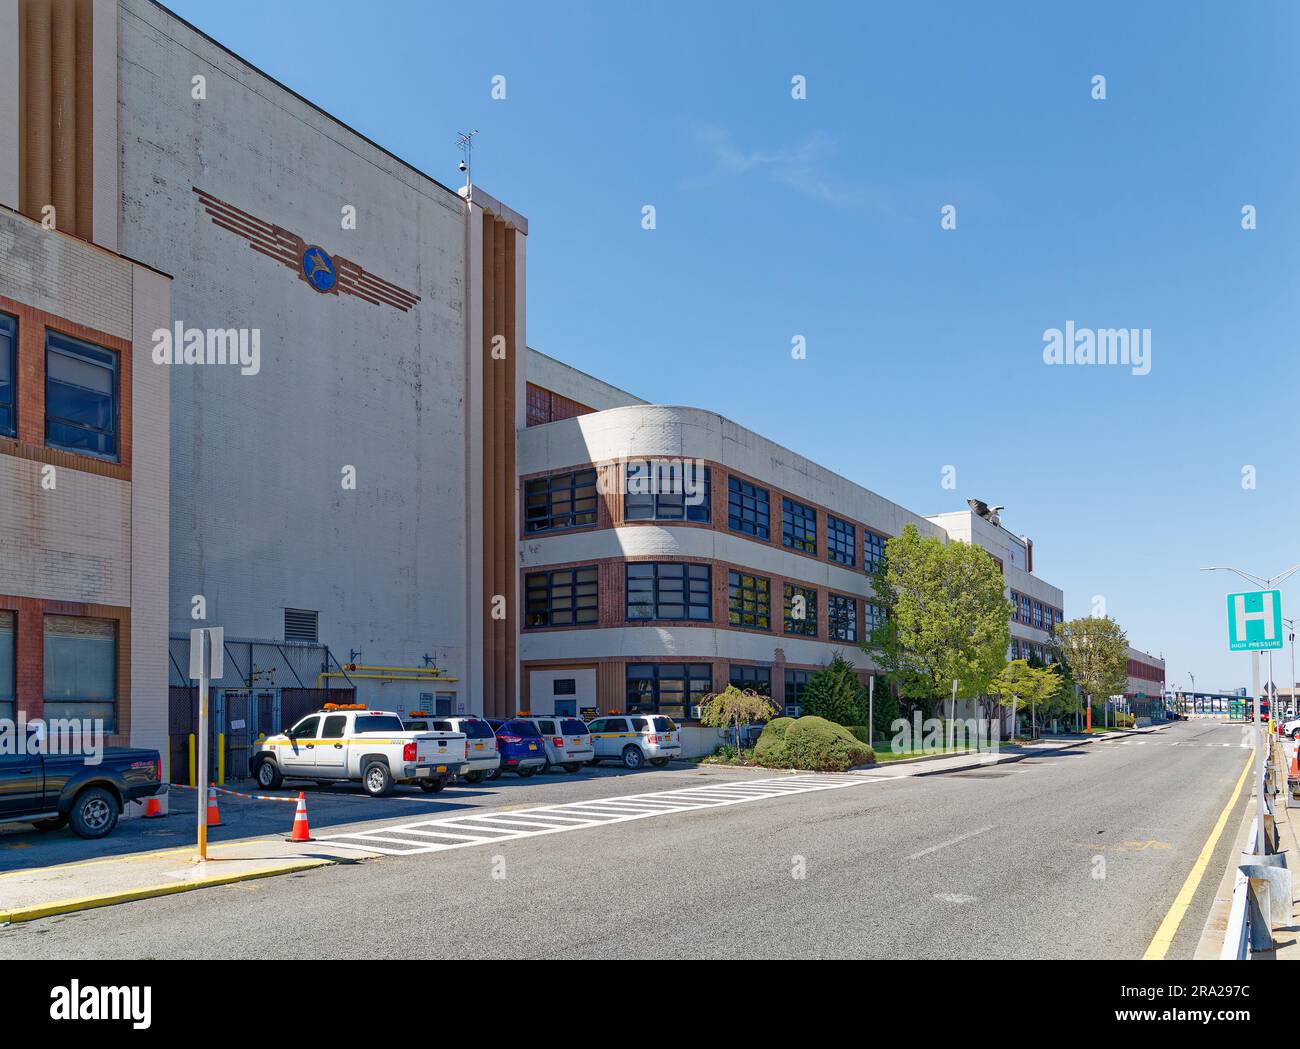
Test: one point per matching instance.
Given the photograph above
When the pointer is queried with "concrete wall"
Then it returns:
(260, 519)
(568, 381)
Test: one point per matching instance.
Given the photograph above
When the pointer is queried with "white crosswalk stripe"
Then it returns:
(459, 832)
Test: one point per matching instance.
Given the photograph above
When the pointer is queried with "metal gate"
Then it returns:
(239, 717)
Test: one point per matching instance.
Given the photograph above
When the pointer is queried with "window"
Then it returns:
(564, 686)
(377, 723)
(842, 617)
(1024, 609)
(546, 726)
(573, 727)
(7, 672)
(306, 728)
(335, 724)
(301, 624)
(800, 610)
(749, 601)
(794, 683)
(539, 405)
(1058, 617)
(81, 669)
(841, 541)
(666, 590)
(1015, 607)
(798, 526)
(1038, 615)
(560, 501)
(755, 679)
(564, 597)
(874, 617)
(748, 509)
(873, 550)
(81, 397)
(667, 490)
(520, 728)
(8, 376)
(667, 688)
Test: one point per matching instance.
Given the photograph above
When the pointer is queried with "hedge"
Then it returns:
(812, 744)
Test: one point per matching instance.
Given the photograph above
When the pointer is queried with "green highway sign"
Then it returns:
(1255, 621)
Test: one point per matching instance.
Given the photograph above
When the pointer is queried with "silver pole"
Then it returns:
(1259, 758)
(871, 709)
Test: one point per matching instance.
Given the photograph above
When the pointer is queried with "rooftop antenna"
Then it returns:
(465, 143)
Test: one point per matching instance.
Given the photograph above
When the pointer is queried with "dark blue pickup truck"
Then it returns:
(55, 790)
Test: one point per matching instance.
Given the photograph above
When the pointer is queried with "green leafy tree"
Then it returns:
(1096, 651)
(946, 618)
(1022, 686)
(835, 693)
(733, 707)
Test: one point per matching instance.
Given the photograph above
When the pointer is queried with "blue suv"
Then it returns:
(521, 745)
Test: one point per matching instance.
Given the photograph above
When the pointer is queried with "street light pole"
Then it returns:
(1263, 583)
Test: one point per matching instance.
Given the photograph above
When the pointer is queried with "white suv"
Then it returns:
(481, 741)
(567, 739)
(635, 739)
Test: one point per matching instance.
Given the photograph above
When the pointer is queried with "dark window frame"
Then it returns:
(568, 483)
(696, 683)
(795, 681)
(873, 550)
(841, 541)
(798, 526)
(749, 601)
(754, 678)
(579, 603)
(749, 508)
(661, 572)
(657, 505)
(96, 356)
(9, 333)
(806, 627)
(844, 628)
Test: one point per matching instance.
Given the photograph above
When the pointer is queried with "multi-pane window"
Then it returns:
(753, 679)
(800, 610)
(7, 671)
(563, 597)
(748, 508)
(842, 617)
(795, 680)
(873, 550)
(841, 541)
(565, 500)
(749, 601)
(798, 526)
(1015, 607)
(669, 590)
(1038, 615)
(666, 490)
(1024, 609)
(81, 669)
(667, 688)
(8, 376)
(81, 397)
(873, 617)
(1057, 617)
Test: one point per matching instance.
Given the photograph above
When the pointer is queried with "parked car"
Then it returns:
(567, 741)
(350, 742)
(1292, 728)
(635, 739)
(521, 747)
(484, 758)
(57, 790)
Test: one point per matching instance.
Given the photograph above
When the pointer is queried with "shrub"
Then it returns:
(770, 749)
(835, 693)
(812, 744)
(861, 733)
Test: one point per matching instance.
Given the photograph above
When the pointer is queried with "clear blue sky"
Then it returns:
(821, 218)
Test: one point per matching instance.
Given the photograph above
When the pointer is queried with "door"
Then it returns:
(550, 733)
(609, 743)
(332, 750)
(22, 785)
(298, 756)
(566, 708)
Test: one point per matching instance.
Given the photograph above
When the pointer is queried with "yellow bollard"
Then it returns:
(193, 762)
(221, 759)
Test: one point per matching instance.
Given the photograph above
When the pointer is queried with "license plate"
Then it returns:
(478, 746)
(442, 768)
(532, 746)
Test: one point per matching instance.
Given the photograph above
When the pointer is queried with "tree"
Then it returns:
(1020, 685)
(835, 693)
(734, 707)
(1096, 651)
(946, 618)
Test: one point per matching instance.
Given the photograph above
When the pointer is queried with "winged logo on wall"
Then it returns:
(325, 273)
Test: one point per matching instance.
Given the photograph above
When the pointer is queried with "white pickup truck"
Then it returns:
(354, 743)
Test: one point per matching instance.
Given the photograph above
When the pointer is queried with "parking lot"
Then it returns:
(333, 808)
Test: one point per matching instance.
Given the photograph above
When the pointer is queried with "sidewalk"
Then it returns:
(44, 891)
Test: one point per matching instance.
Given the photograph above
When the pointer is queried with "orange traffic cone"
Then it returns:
(214, 813)
(1295, 764)
(153, 809)
(301, 832)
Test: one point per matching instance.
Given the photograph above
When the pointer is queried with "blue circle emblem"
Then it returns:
(318, 268)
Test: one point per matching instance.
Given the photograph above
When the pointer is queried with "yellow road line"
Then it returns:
(1164, 936)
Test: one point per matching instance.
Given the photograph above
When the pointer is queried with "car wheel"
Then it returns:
(545, 768)
(268, 775)
(377, 780)
(432, 786)
(53, 823)
(1296, 734)
(493, 773)
(572, 767)
(632, 757)
(528, 772)
(473, 777)
(658, 762)
(593, 763)
(94, 813)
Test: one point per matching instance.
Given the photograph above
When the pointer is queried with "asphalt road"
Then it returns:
(1074, 856)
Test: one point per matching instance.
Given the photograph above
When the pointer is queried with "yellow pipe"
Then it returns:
(192, 761)
(380, 677)
(221, 759)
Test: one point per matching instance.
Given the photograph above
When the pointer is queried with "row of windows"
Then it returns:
(1024, 650)
(682, 490)
(80, 668)
(674, 688)
(1028, 612)
(681, 591)
(82, 390)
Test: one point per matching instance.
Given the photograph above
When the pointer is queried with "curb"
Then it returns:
(85, 903)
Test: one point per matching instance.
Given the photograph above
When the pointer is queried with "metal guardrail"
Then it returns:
(1236, 941)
